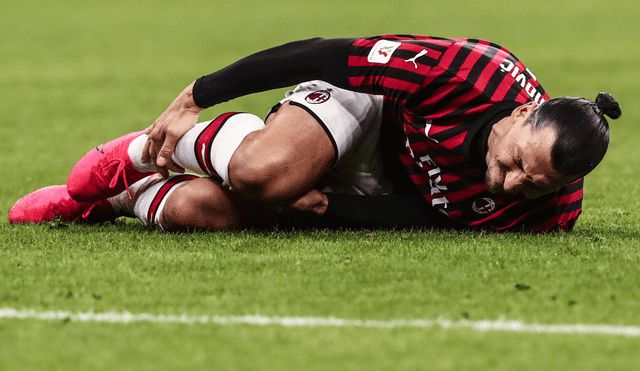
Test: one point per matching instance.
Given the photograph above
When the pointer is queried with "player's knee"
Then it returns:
(199, 206)
(257, 174)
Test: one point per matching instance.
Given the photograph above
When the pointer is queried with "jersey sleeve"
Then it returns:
(278, 67)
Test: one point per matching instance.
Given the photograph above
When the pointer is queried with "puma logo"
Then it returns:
(413, 60)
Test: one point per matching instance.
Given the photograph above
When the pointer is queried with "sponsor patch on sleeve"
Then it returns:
(382, 51)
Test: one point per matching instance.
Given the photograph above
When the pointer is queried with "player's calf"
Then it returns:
(187, 202)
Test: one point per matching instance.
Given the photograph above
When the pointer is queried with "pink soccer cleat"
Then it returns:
(54, 203)
(105, 171)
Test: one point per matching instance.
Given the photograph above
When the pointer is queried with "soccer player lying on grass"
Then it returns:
(407, 131)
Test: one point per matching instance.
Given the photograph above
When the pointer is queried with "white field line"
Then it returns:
(256, 320)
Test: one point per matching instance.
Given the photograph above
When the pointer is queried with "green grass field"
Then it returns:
(76, 74)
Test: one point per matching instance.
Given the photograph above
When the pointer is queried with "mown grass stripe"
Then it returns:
(481, 326)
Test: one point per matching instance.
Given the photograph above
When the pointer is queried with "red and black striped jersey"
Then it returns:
(446, 94)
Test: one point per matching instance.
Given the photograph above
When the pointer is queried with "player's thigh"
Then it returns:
(315, 128)
(284, 159)
(294, 134)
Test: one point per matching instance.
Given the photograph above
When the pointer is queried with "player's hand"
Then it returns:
(313, 201)
(165, 132)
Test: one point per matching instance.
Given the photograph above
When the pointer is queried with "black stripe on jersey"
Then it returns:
(473, 103)
(432, 43)
(388, 72)
(541, 216)
(480, 65)
(461, 57)
(441, 136)
(494, 83)
(425, 44)
(426, 92)
(514, 90)
(571, 188)
(407, 54)
(361, 51)
(536, 215)
(457, 92)
(397, 37)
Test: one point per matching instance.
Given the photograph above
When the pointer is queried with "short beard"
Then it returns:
(493, 187)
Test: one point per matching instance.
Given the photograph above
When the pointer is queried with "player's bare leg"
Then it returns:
(204, 204)
(282, 161)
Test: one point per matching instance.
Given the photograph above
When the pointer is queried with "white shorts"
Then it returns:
(352, 121)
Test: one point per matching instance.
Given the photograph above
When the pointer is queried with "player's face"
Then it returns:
(519, 162)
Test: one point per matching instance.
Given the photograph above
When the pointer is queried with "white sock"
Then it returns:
(136, 147)
(151, 201)
(123, 204)
(206, 148)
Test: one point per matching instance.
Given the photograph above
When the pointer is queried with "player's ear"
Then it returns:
(524, 110)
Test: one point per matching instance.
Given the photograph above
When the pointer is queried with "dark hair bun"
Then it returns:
(608, 105)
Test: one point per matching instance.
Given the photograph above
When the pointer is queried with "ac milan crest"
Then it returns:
(319, 96)
(483, 205)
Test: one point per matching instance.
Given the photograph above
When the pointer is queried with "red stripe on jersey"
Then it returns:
(361, 81)
(461, 101)
(388, 82)
(567, 220)
(419, 179)
(396, 84)
(471, 60)
(478, 109)
(360, 61)
(454, 141)
(468, 192)
(437, 96)
(490, 70)
(423, 146)
(449, 160)
(570, 198)
(419, 147)
(447, 178)
(436, 129)
(449, 56)
(497, 215)
(502, 90)
(365, 42)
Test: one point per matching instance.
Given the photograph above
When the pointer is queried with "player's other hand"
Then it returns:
(165, 132)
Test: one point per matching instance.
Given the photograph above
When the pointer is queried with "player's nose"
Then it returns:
(513, 181)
